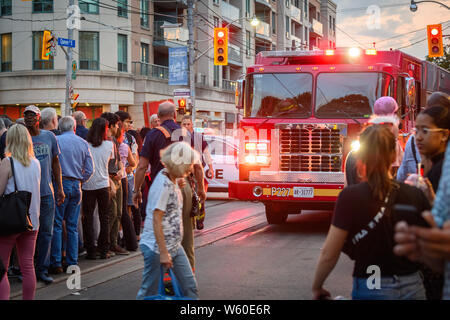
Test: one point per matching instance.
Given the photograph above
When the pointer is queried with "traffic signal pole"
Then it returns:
(190, 23)
(68, 105)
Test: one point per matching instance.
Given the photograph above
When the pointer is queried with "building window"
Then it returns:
(38, 63)
(287, 26)
(274, 22)
(144, 14)
(216, 2)
(318, 16)
(334, 24)
(247, 43)
(6, 52)
(144, 52)
(42, 6)
(216, 76)
(122, 10)
(89, 50)
(287, 3)
(88, 6)
(216, 22)
(5, 9)
(122, 52)
(305, 9)
(247, 8)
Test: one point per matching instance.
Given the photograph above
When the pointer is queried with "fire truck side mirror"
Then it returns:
(239, 94)
(410, 94)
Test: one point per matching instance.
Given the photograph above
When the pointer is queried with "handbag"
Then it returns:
(161, 292)
(353, 244)
(14, 210)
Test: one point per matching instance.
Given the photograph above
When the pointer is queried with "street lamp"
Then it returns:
(413, 5)
(254, 22)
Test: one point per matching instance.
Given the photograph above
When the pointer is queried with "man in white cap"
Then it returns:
(46, 150)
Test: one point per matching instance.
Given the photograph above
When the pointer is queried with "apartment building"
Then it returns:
(122, 51)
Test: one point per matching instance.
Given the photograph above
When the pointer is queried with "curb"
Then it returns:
(64, 276)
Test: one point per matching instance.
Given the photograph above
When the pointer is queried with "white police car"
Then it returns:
(224, 154)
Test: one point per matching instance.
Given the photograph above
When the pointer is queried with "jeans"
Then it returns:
(408, 287)
(90, 197)
(152, 273)
(115, 214)
(44, 238)
(68, 211)
(25, 243)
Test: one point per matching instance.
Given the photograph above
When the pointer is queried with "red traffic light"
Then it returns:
(182, 103)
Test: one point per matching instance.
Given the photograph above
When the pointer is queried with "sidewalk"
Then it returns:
(86, 267)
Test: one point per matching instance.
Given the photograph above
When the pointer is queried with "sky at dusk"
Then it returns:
(356, 27)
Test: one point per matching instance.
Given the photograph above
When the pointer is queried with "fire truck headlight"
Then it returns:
(262, 159)
(250, 159)
(355, 145)
(250, 146)
(354, 52)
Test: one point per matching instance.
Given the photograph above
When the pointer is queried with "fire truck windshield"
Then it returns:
(286, 95)
(350, 95)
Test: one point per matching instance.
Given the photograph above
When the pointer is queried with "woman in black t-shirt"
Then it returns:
(362, 229)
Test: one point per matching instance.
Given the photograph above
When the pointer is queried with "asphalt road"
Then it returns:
(239, 257)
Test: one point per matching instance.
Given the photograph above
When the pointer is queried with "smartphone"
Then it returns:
(409, 214)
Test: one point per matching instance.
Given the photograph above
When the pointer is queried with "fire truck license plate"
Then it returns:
(303, 192)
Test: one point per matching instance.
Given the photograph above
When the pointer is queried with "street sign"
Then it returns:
(181, 92)
(66, 42)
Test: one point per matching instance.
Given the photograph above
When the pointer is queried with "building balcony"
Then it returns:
(263, 29)
(264, 2)
(296, 42)
(170, 35)
(150, 70)
(228, 85)
(230, 13)
(316, 28)
(234, 55)
(296, 14)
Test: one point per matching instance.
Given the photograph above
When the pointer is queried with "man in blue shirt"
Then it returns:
(77, 167)
(46, 150)
(80, 118)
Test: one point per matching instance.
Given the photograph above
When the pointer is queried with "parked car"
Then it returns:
(224, 154)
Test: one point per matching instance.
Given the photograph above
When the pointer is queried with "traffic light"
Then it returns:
(220, 46)
(46, 45)
(182, 105)
(435, 42)
(74, 98)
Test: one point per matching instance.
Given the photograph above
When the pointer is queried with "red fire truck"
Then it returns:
(303, 109)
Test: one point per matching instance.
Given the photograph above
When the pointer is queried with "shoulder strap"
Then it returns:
(12, 172)
(164, 131)
(413, 148)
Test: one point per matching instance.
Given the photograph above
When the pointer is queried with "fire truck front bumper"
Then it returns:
(291, 192)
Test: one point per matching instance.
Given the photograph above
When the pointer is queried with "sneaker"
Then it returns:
(44, 277)
(120, 251)
(105, 255)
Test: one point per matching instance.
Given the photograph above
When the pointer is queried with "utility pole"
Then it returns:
(190, 22)
(68, 104)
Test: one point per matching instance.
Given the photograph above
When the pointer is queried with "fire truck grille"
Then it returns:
(315, 149)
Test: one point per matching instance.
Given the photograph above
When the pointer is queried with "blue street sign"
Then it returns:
(66, 42)
(178, 66)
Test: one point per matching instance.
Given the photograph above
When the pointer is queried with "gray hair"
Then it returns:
(47, 116)
(2, 124)
(67, 123)
(79, 116)
(166, 109)
(153, 117)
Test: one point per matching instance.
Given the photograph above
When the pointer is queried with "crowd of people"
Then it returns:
(382, 217)
(110, 189)
(87, 186)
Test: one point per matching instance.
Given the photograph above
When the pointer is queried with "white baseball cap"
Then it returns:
(33, 108)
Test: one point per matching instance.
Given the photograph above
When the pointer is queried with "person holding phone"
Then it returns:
(363, 225)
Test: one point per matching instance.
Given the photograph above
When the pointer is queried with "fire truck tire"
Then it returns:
(275, 215)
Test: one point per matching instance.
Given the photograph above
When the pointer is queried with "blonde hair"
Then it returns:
(19, 144)
(178, 158)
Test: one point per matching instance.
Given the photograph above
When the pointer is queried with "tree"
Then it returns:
(444, 61)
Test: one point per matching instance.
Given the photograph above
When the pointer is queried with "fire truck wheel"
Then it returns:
(275, 214)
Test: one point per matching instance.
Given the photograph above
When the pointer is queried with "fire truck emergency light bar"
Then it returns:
(353, 52)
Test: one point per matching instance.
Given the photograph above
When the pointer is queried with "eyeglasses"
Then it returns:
(425, 131)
